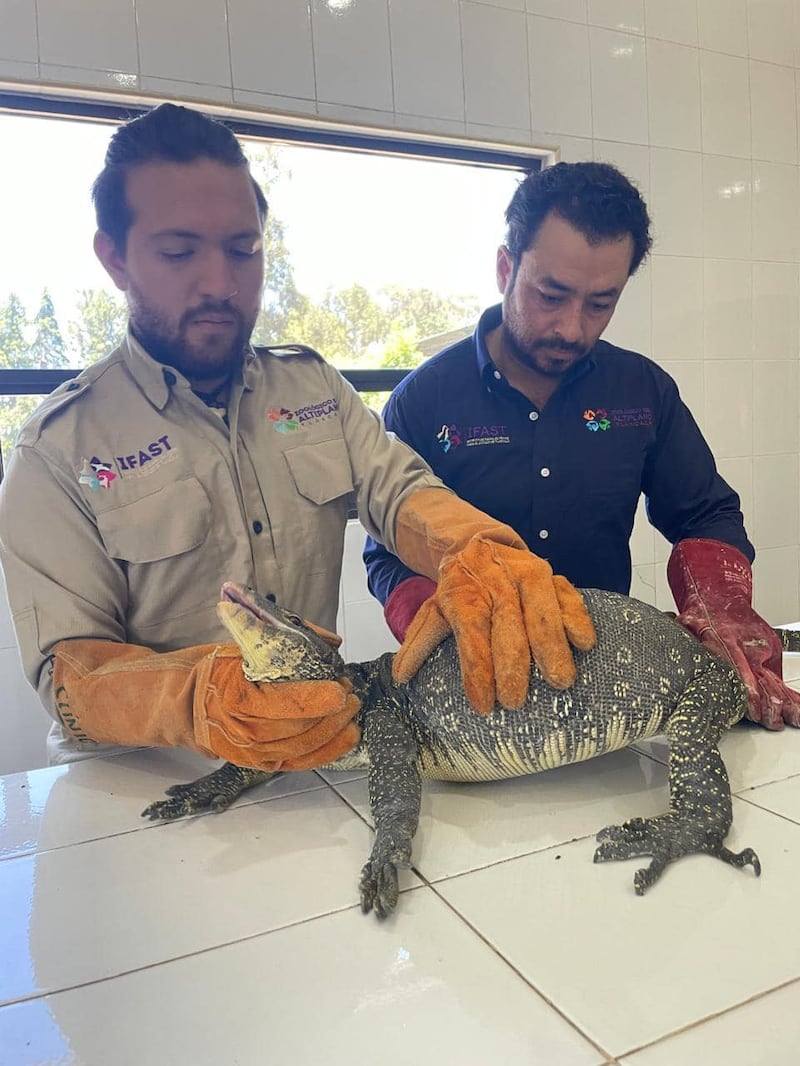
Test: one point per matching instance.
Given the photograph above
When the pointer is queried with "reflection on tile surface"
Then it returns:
(209, 939)
(340, 990)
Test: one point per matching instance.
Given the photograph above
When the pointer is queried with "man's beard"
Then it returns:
(525, 352)
(171, 346)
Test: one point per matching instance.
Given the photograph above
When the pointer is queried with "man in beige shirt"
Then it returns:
(186, 457)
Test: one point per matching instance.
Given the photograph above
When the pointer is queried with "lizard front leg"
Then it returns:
(395, 791)
(214, 792)
(701, 810)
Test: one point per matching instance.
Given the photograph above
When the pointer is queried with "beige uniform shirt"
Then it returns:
(127, 502)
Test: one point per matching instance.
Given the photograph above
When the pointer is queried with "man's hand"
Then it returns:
(503, 606)
(712, 583)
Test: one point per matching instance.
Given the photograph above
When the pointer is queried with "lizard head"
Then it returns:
(276, 645)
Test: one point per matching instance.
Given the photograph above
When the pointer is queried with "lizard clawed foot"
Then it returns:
(215, 792)
(379, 888)
(665, 838)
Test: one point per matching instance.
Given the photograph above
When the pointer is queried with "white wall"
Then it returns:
(697, 100)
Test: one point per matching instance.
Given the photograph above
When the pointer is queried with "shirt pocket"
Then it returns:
(173, 520)
(309, 535)
(321, 472)
(165, 542)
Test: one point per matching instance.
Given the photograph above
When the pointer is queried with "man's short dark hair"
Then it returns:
(595, 198)
(170, 134)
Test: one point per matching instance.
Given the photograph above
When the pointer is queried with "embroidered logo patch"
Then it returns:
(144, 454)
(452, 436)
(596, 420)
(96, 474)
(617, 417)
(628, 417)
(449, 437)
(285, 421)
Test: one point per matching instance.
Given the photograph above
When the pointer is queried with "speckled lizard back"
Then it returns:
(627, 687)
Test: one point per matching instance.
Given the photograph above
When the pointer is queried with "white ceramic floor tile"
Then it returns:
(753, 756)
(763, 1033)
(631, 970)
(102, 908)
(467, 826)
(341, 990)
(63, 805)
(782, 797)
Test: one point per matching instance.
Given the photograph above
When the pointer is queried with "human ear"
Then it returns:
(114, 262)
(504, 268)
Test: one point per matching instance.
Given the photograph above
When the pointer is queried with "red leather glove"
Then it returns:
(404, 602)
(713, 587)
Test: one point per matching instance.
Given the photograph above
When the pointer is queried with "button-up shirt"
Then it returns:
(127, 501)
(566, 477)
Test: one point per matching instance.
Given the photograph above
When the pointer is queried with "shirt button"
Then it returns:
(257, 527)
(497, 374)
(543, 534)
(545, 471)
(533, 416)
(169, 377)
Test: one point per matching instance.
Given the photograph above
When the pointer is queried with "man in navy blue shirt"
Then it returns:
(538, 422)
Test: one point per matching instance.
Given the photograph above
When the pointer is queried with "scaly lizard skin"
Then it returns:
(645, 675)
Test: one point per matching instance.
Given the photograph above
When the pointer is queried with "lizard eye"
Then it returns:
(294, 619)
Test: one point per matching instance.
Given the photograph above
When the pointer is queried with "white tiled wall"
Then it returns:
(696, 99)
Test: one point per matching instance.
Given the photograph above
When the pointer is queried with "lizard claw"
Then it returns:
(665, 839)
(215, 792)
(379, 887)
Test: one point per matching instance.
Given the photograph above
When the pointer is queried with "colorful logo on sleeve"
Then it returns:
(286, 421)
(96, 474)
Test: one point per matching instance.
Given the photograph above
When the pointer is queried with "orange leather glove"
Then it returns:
(501, 602)
(712, 583)
(199, 698)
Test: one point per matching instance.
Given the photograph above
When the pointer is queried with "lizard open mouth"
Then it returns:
(240, 595)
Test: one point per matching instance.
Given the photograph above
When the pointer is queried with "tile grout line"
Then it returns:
(768, 810)
(158, 823)
(174, 958)
(710, 1017)
(610, 1059)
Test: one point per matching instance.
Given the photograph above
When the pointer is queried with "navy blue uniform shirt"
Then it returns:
(568, 477)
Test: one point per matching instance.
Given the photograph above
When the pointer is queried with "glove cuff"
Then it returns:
(708, 570)
(404, 602)
(434, 524)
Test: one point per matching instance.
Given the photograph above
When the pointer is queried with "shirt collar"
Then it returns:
(491, 319)
(156, 380)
